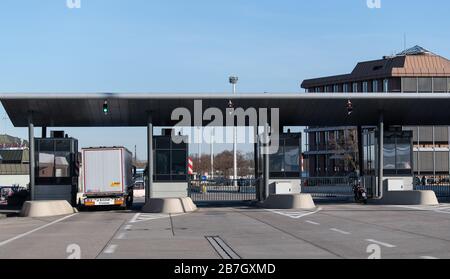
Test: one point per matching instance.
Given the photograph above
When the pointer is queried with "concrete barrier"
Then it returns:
(169, 205)
(46, 208)
(289, 201)
(408, 198)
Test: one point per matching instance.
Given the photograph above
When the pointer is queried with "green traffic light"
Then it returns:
(105, 107)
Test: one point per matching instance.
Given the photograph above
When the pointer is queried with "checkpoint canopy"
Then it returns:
(296, 109)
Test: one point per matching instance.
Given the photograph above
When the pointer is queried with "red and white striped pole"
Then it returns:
(190, 166)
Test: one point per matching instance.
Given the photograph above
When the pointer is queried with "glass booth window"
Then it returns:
(53, 158)
(389, 156)
(398, 155)
(286, 162)
(170, 160)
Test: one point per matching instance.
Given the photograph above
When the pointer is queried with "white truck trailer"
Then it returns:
(107, 177)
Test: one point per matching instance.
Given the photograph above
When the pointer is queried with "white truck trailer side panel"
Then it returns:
(104, 170)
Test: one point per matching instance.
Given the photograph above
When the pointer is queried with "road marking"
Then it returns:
(141, 217)
(294, 214)
(133, 220)
(128, 227)
(435, 208)
(429, 258)
(313, 223)
(121, 236)
(35, 230)
(339, 231)
(111, 249)
(381, 243)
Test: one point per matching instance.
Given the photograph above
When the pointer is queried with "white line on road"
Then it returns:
(121, 236)
(142, 217)
(312, 223)
(35, 230)
(432, 208)
(339, 231)
(110, 249)
(429, 258)
(381, 243)
(294, 214)
(128, 227)
(135, 218)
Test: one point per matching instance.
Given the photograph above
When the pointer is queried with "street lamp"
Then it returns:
(233, 81)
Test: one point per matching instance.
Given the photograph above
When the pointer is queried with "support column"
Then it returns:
(149, 186)
(380, 156)
(360, 151)
(266, 172)
(256, 160)
(44, 132)
(31, 156)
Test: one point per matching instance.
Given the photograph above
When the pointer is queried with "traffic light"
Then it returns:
(105, 108)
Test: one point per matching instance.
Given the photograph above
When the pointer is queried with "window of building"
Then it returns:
(448, 84)
(317, 138)
(355, 87)
(440, 85)
(375, 86)
(345, 87)
(409, 85)
(386, 86)
(425, 85)
(365, 87)
(336, 88)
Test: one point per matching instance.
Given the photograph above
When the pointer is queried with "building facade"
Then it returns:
(333, 151)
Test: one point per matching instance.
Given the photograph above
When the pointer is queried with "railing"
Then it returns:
(328, 181)
(329, 187)
(223, 190)
(440, 186)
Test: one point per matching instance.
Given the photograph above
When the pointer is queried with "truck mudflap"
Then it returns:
(104, 201)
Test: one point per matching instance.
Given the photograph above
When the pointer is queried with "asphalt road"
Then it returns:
(332, 231)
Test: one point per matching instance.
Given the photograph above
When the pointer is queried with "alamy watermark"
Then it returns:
(266, 131)
(73, 4)
(374, 4)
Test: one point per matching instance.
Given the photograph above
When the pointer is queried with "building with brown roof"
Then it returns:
(14, 167)
(332, 151)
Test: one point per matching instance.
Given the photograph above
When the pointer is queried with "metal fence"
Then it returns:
(329, 187)
(440, 185)
(442, 191)
(223, 190)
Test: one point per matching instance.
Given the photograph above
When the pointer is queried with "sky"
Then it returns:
(177, 46)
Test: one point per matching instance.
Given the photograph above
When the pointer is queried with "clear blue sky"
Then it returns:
(192, 46)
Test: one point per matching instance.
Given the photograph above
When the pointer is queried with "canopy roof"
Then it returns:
(297, 109)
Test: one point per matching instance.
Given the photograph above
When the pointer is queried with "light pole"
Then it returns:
(233, 80)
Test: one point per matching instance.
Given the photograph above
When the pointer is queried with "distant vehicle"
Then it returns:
(107, 177)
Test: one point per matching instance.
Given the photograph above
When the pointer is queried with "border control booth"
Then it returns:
(56, 168)
(397, 161)
(284, 167)
(170, 159)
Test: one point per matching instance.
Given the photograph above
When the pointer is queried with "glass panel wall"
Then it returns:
(170, 160)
